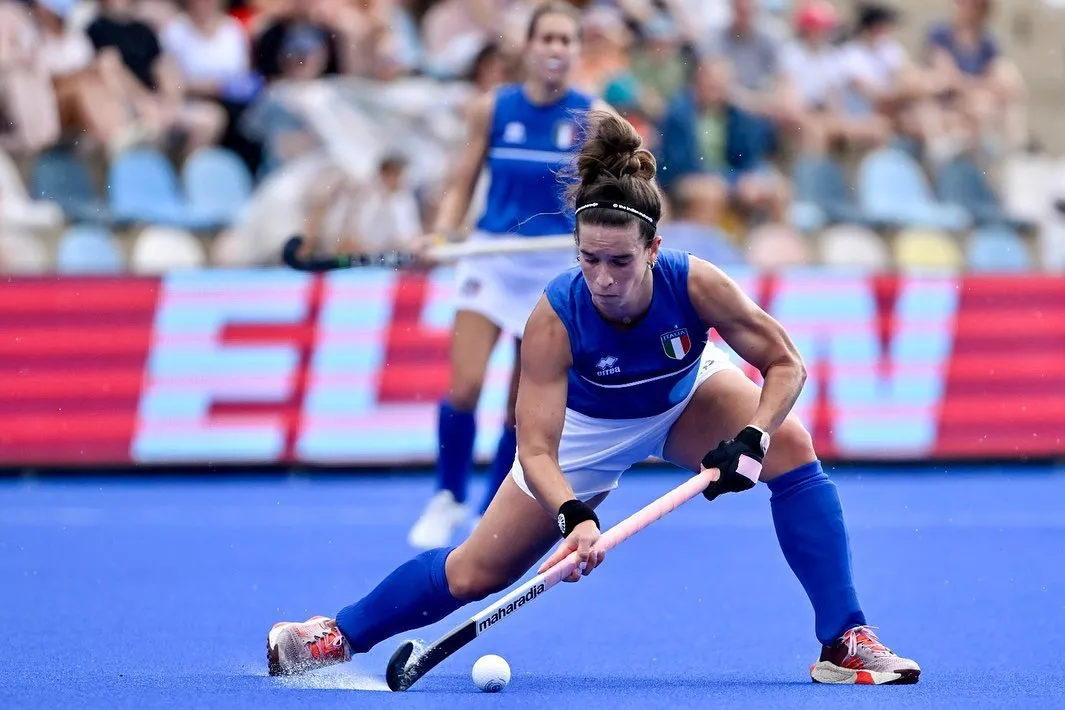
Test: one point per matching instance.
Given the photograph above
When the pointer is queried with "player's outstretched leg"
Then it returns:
(514, 533)
(473, 337)
(808, 518)
(507, 449)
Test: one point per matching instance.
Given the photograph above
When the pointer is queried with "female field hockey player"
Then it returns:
(523, 133)
(616, 367)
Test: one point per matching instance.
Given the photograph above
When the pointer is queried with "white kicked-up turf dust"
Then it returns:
(341, 677)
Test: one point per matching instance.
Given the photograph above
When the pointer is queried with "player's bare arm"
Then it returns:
(755, 336)
(456, 202)
(541, 407)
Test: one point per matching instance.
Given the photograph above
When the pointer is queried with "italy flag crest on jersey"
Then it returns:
(677, 343)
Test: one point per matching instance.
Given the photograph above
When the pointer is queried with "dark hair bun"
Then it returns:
(612, 147)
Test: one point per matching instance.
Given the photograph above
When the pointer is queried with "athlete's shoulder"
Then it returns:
(562, 290)
(509, 97)
(673, 261)
(581, 99)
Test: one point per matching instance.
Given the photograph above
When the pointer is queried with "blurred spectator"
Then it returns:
(605, 42)
(92, 95)
(214, 55)
(289, 15)
(453, 31)
(659, 65)
(151, 80)
(29, 117)
(270, 121)
(980, 81)
(693, 226)
(387, 216)
(881, 78)
(759, 86)
(705, 133)
(816, 69)
(367, 33)
(212, 51)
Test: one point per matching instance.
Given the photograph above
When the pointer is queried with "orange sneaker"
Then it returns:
(858, 657)
(293, 648)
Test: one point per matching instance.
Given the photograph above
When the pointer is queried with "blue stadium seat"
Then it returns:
(217, 184)
(962, 183)
(87, 248)
(893, 191)
(821, 182)
(997, 248)
(144, 189)
(58, 176)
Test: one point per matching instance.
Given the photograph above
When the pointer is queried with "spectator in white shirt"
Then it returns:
(818, 72)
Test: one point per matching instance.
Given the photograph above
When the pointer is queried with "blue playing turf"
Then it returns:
(119, 593)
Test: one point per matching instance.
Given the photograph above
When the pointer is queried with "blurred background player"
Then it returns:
(617, 368)
(523, 133)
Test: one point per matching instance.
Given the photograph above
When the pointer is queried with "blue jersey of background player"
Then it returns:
(615, 368)
(524, 134)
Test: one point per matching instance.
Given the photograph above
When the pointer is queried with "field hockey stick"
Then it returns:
(405, 667)
(438, 254)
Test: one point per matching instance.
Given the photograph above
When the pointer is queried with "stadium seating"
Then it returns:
(919, 249)
(89, 249)
(17, 210)
(997, 248)
(854, 246)
(157, 250)
(893, 191)
(961, 182)
(58, 176)
(821, 182)
(144, 189)
(775, 247)
(217, 184)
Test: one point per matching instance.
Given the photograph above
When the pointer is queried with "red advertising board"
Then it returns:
(273, 366)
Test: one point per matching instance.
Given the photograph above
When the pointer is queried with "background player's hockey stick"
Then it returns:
(406, 668)
(442, 253)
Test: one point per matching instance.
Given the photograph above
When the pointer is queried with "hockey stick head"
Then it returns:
(290, 253)
(395, 675)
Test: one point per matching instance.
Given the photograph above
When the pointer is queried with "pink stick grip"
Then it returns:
(635, 523)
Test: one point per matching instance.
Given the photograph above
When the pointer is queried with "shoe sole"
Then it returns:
(831, 674)
(273, 653)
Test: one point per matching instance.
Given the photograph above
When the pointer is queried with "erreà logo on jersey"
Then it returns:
(607, 366)
(514, 132)
(504, 611)
(676, 343)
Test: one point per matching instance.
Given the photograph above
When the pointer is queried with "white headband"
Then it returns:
(616, 206)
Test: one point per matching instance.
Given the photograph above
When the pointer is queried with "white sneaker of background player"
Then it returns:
(438, 523)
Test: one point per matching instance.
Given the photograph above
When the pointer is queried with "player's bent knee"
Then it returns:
(791, 447)
(471, 582)
(464, 397)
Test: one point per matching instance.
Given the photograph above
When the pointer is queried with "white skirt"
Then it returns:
(594, 453)
(505, 288)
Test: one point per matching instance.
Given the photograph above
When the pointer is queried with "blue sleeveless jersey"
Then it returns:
(527, 145)
(642, 370)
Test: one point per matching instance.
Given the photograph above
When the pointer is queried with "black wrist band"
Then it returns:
(572, 513)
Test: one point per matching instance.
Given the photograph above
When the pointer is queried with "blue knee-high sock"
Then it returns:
(501, 464)
(414, 595)
(808, 518)
(455, 436)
